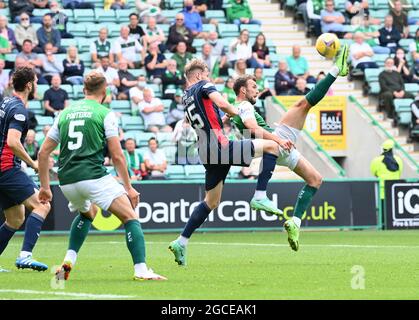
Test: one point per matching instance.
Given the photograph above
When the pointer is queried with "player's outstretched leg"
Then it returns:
(198, 216)
(78, 233)
(260, 200)
(32, 232)
(313, 181)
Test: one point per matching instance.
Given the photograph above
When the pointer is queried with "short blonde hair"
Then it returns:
(195, 64)
(94, 81)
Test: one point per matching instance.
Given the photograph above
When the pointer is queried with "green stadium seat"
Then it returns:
(412, 88)
(253, 29)
(113, 30)
(380, 59)
(379, 4)
(374, 88)
(69, 13)
(41, 90)
(234, 172)
(83, 44)
(36, 107)
(77, 29)
(371, 74)
(175, 172)
(132, 123)
(44, 121)
(166, 104)
(228, 30)
(142, 139)
(132, 134)
(207, 27)
(170, 152)
(413, 14)
(83, 15)
(38, 12)
(32, 174)
(378, 14)
(165, 138)
(122, 15)
(170, 14)
(155, 88)
(403, 111)
(78, 91)
(404, 43)
(86, 58)
(93, 29)
(137, 72)
(69, 89)
(219, 15)
(122, 106)
(195, 171)
(340, 5)
(66, 43)
(102, 15)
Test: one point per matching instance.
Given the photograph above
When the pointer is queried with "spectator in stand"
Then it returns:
(32, 60)
(24, 30)
(172, 80)
(228, 91)
(5, 48)
(389, 35)
(298, 65)
(391, 87)
(73, 67)
(135, 30)
(201, 6)
(414, 47)
(55, 98)
(181, 56)
(361, 53)
(240, 49)
(314, 9)
(178, 32)
(39, 4)
(17, 7)
(284, 79)
(176, 110)
(136, 95)
(204, 5)
(356, 7)
(371, 35)
(400, 19)
(260, 52)
(148, 9)
(111, 75)
(155, 63)
(51, 64)
(2, 4)
(127, 79)
(239, 69)
(78, 4)
(332, 20)
(155, 34)
(263, 84)
(128, 47)
(134, 160)
(218, 51)
(53, 174)
(155, 160)
(300, 88)
(7, 33)
(321, 76)
(193, 20)
(239, 12)
(212, 63)
(101, 48)
(4, 78)
(59, 20)
(186, 138)
(31, 145)
(47, 34)
(152, 111)
(402, 66)
(115, 4)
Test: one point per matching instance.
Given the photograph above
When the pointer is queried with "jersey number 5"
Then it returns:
(194, 117)
(72, 133)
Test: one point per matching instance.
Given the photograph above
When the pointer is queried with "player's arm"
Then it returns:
(118, 158)
(223, 104)
(45, 194)
(13, 141)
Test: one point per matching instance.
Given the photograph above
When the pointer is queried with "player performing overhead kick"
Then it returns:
(289, 127)
(83, 129)
(17, 190)
(217, 153)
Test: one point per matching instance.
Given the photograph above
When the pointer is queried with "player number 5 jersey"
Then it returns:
(82, 130)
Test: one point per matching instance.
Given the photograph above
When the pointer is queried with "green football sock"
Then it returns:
(320, 90)
(135, 241)
(304, 199)
(78, 232)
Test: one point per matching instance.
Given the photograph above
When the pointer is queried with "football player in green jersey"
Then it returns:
(288, 128)
(83, 129)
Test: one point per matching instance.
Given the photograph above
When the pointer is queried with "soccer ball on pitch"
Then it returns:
(328, 45)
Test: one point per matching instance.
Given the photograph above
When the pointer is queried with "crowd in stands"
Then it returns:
(144, 64)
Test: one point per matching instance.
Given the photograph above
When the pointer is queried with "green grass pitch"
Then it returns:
(251, 265)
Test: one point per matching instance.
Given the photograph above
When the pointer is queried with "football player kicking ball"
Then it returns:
(83, 129)
(289, 128)
(217, 153)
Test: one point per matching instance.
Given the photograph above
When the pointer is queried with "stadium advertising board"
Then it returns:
(402, 204)
(326, 122)
(167, 206)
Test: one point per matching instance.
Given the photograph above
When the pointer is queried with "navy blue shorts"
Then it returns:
(15, 187)
(239, 153)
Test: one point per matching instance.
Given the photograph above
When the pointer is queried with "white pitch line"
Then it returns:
(69, 294)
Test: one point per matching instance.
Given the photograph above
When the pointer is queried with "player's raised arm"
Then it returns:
(223, 104)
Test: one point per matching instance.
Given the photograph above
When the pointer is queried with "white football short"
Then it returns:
(288, 159)
(100, 191)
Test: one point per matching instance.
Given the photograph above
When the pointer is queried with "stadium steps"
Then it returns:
(284, 33)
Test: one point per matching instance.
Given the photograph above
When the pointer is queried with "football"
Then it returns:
(328, 45)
